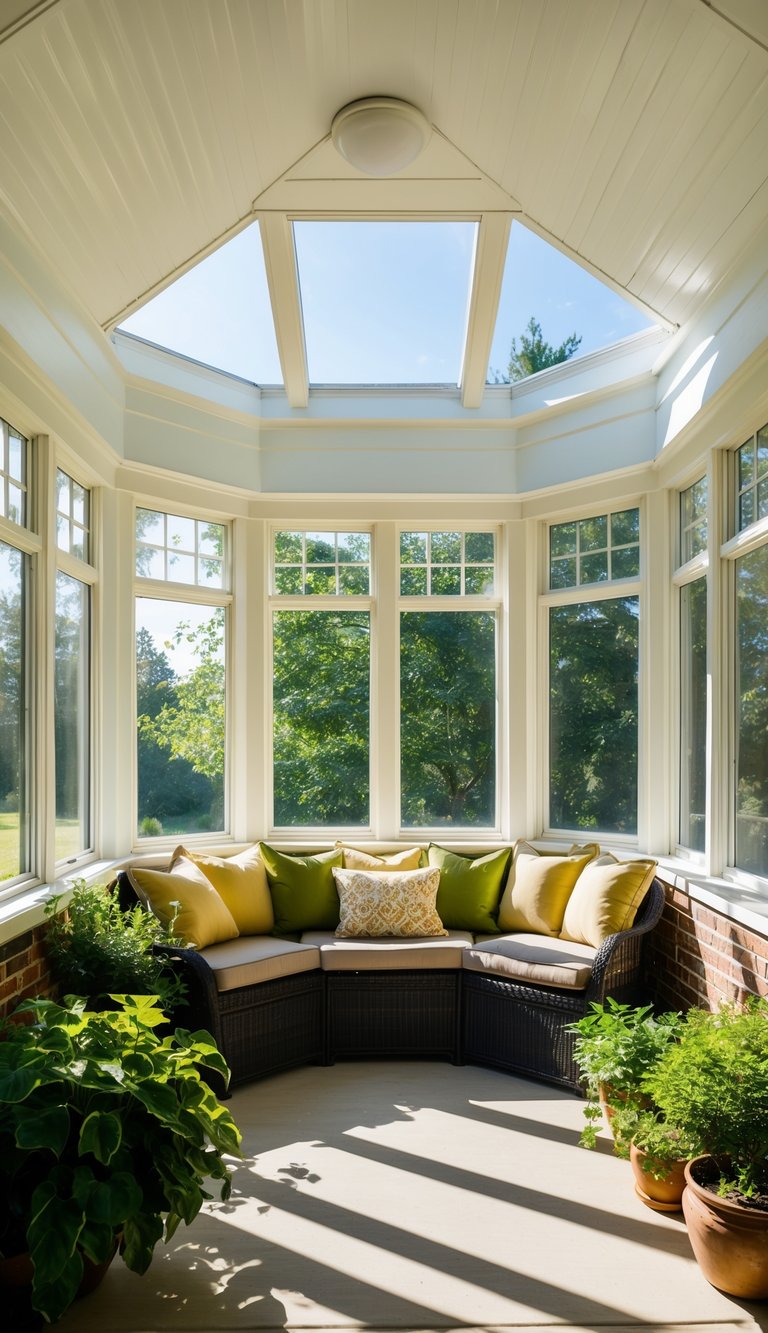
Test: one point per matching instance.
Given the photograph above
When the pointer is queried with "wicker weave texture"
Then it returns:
(393, 1013)
(273, 1026)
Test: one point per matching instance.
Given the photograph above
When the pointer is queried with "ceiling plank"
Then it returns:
(283, 282)
(490, 257)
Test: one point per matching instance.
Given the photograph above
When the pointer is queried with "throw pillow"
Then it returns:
(303, 893)
(469, 892)
(241, 881)
(576, 849)
(353, 858)
(400, 903)
(605, 899)
(184, 896)
(537, 891)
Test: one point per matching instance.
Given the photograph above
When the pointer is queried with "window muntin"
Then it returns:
(693, 714)
(321, 697)
(14, 726)
(751, 795)
(447, 564)
(181, 717)
(322, 564)
(752, 480)
(595, 550)
(384, 302)
(175, 549)
(72, 717)
(693, 520)
(593, 715)
(13, 475)
(448, 722)
(73, 516)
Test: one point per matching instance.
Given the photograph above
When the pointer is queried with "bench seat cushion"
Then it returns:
(387, 952)
(535, 958)
(254, 958)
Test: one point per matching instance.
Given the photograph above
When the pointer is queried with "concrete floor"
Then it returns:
(417, 1196)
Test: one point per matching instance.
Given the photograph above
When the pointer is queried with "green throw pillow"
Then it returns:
(303, 891)
(469, 892)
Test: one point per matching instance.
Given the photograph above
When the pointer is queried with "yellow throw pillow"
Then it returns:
(537, 891)
(241, 881)
(356, 859)
(606, 899)
(399, 903)
(201, 918)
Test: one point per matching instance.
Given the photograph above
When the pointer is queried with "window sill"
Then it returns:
(744, 905)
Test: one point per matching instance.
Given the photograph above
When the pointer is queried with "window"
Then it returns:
(752, 480)
(693, 667)
(321, 691)
(14, 731)
(693, 521)
(181, 675)
(72, 516)
(751, 840)
(13, 475)
(72, 717)
(595, 550)
(448, 714)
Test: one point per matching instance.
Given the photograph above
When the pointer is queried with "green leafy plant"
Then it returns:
(616, 1046)
(95, 948)
(712, 1085)
(662, 1144)
(106, 1129)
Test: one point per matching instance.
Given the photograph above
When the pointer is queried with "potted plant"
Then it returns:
(658, 1153)
(713, 1086)
(616, 1045)
(107, 1137)
(96, 949)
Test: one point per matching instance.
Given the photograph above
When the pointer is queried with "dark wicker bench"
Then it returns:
(317, 1017)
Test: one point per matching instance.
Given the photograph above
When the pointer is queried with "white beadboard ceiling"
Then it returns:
(634, 133)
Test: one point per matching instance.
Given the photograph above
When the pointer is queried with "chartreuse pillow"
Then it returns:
(303, 893)
(606, 898)
(469, 892)
(187, 899)
(537, 892)
(241, 881)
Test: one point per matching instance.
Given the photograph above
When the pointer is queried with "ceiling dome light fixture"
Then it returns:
(380, 135)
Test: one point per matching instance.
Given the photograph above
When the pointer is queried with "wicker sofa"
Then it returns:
(504, 1001)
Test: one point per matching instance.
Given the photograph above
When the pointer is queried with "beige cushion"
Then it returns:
(537, 890)
(575, 849)
(183, 896)
(384, 954)
(606, 898)
(533, 958)
(254, 958)
(400, 903)
(241, 881)
(356, 859)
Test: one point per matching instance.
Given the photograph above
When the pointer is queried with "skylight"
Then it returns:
(541, 283)
(218, 313)
(384, 302)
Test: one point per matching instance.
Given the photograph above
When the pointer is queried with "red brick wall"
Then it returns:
(23, 969)
(696, 956)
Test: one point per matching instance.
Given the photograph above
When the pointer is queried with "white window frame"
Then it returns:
(684, 574)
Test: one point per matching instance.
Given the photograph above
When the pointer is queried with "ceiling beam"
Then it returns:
(490, 257)
(283, 282)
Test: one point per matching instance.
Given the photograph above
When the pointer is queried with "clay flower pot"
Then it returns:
(666, 1194)
(729, 1240)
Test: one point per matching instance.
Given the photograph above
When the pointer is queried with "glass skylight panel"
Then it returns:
(218, 313)
(384, 302)
(542, 284)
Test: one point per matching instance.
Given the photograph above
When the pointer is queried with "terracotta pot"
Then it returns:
(610, 1094)
(665, 1194)
(729, 1240)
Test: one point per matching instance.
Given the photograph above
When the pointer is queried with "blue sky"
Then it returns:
(383, 302)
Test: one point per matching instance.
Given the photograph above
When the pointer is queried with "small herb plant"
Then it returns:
(662, 1144)
(712, 1085)
(95, 948)
(616, 1046)
(107, 1130)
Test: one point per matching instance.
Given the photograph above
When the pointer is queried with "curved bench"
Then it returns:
(272, 1004)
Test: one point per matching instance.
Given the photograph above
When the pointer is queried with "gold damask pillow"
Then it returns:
(401, 904)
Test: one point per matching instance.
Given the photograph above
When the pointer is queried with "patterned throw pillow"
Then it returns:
(401, 904)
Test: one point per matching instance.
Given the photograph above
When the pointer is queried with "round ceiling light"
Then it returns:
(380, 135)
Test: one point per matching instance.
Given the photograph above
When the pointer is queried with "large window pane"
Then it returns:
(752, 705)
(14, 839)
(321, 696)
(593, 650)
(693, 714)
(72, 717)
(448, 717)
(180, 700)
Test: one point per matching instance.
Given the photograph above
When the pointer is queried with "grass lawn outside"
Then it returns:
(68, 842)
